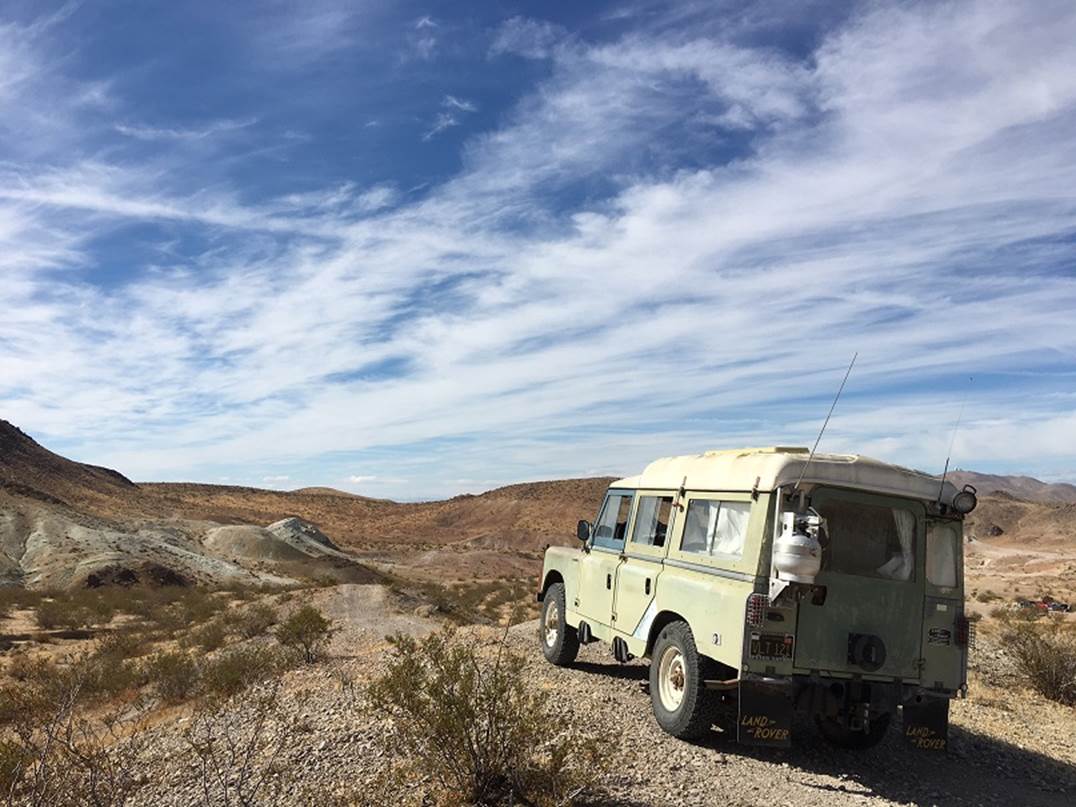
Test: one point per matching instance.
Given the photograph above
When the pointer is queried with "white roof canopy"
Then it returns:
(742, 469)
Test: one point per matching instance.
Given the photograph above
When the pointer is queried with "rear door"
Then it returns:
(872, 572)
(598, 566)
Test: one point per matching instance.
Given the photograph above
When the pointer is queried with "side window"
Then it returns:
(942, 546)
(612, 524)
(715, 528)
(652, 520)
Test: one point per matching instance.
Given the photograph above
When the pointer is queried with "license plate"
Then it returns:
(771, 645)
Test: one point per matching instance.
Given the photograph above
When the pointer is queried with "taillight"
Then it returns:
(756, 609)
(965, 632)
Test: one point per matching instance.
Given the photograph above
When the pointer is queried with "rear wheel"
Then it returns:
(560, 642)
(682, 705)
(844, 737)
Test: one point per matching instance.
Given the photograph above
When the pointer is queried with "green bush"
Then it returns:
(234, 670)
(174, 676)
(1045, 654)
(466, 720)
(306, 632)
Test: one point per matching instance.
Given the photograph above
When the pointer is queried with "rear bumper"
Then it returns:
(768, 704)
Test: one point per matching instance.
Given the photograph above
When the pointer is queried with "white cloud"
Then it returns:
(444, 120)
(904, 193)
(532, 39)
(159, 133)
(462, 104)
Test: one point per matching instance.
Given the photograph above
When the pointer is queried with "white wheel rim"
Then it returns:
(672, 678)
(552, 624)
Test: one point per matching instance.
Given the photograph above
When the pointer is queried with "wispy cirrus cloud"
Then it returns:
(141, 132)
(673, 241)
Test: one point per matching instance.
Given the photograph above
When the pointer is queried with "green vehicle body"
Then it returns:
(692, 543)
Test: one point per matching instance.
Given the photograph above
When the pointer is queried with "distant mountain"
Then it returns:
(1021, 487)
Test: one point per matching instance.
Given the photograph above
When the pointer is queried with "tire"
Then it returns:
(682, 705)
(838, 735)
(559, 640)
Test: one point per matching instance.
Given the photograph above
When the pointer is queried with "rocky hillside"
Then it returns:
(29, 469)
(1021, 487)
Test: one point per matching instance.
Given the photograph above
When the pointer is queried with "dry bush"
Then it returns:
(234, 670)
(987, 596)
(306, 632)
(238, 748)
(210, 636)
(175, 676)
(254, 620)
(52, 753)
(122, 644)
(1045, 654)
(51, 614)
(465, 718)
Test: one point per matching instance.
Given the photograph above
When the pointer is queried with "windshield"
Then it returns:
(868, 540)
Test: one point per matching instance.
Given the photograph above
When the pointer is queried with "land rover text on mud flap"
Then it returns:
(763, 582)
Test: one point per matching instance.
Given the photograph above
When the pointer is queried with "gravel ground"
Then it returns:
(1008, 746)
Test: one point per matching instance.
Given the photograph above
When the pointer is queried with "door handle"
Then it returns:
(648, 585)
(609, 581)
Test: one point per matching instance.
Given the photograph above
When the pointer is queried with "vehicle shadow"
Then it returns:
(623, 672)
(978, 769)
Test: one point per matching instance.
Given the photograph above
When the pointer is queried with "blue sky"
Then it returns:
(416, 249)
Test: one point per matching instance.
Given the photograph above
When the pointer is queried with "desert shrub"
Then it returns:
(234, 670)
(121, 644)
(239, 760)
(465, 718)
(1045, 655)
(51, 614)
(306, 632)
(174, 675)
(52, 753)
(999, 612)
(210, 636)
(987, 596)
(253, 620)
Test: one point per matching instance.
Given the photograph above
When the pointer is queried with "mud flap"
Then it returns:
(765, 715)
(926, 722)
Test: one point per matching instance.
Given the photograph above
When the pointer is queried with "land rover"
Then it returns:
(764, 583)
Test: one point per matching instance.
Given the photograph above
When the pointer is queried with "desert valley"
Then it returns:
(227, 563)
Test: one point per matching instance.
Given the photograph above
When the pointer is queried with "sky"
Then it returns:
(416, 249)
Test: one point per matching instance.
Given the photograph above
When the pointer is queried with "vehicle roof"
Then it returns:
(768, 468)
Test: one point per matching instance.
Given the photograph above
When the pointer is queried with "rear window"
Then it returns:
(868, 540)
(943, 545)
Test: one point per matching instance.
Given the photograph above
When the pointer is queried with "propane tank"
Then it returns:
(797, 553)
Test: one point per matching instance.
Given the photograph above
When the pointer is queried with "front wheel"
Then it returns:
(682, 705)
(844, 737)
(560, 642)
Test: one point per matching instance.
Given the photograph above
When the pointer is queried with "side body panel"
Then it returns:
(707, 590)
(563, 562)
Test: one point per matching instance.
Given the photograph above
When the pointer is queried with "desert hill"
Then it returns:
(63, 522)
(1022, 487)
(29, 469)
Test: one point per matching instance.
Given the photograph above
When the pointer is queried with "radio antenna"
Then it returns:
(821, 431)
(952, 440)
